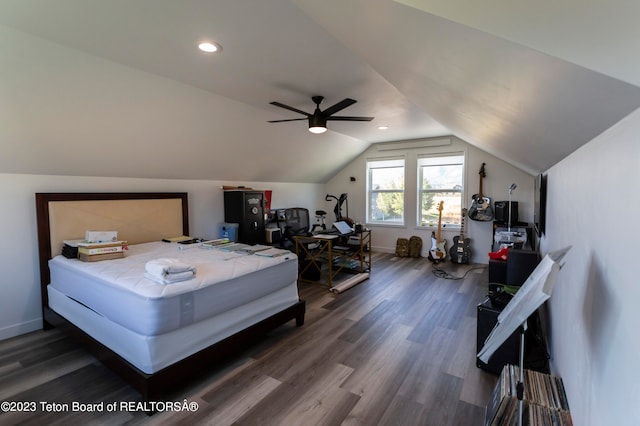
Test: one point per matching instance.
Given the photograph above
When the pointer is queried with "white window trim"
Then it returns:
(398, 161)
(419, 164)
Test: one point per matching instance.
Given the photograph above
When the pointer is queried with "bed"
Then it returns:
(156, 335)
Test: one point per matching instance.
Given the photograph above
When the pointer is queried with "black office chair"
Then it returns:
(295, 224)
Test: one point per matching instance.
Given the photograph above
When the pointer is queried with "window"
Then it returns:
(385, 191)
(440, 180)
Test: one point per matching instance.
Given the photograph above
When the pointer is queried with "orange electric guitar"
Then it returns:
(438, 250)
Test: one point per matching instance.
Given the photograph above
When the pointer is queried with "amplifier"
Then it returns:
(497, 271)
(535, 354)
(507, 353)
(501, 211)
(520, 264)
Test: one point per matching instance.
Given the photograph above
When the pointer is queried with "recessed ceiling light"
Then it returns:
(209, 47)
(383, 127)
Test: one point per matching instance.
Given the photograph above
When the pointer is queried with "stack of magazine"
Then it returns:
(225, 244)
(217, 243)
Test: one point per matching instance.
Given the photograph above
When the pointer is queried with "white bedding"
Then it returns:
(118, 290)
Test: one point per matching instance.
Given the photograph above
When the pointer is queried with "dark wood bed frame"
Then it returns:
(150, 386)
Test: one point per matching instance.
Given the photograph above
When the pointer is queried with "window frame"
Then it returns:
(381, 163)
(448, 158)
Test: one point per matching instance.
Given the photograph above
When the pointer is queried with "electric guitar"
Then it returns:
(481, 206)
(438, 250)
(460, 251)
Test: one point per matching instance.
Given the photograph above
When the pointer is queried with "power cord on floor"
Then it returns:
(441, 273)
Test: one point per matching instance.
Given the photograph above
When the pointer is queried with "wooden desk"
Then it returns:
(340, 255)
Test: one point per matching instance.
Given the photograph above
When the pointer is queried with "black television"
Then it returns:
(540, 203)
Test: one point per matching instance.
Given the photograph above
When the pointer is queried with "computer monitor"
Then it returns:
(343, 227)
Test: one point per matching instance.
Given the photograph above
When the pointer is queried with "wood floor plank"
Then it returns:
(403, 412)
(231, 410)
(468, 414)
(28, 341)
(28, 378)
(377, 378)
(463, 349)
(324, 402)
(7, 368)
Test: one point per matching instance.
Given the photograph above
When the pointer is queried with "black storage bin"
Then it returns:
(310, 270)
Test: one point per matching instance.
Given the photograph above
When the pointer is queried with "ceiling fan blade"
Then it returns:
(345, 118)
(290, 119)
(278, 104)
(339, 106)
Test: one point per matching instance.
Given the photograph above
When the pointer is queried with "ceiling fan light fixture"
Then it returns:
(318, 120)
(317, 124)
(317, 129)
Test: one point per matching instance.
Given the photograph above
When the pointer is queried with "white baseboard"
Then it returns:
(22, 328)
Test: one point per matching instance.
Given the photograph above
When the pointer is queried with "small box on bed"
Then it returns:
(101, 236)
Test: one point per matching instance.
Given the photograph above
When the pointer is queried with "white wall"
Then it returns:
(20, 301)
(593, 203)
(20, 281)
(499, 175)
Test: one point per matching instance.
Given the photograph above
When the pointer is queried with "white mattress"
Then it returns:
(118, 290)
(153, 353)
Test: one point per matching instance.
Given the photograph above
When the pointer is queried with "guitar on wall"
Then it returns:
(460, 251)
(480, 209)
(438, 250)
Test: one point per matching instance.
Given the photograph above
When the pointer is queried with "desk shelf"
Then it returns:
(333, 254)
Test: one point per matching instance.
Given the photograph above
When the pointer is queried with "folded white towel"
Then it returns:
(165, 266)
(171, 278)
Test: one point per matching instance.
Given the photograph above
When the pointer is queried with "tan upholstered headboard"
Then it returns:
(137, 221)
(138, 218)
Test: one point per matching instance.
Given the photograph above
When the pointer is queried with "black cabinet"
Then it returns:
(246, 208)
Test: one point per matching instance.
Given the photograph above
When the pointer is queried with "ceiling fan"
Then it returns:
(318, 120)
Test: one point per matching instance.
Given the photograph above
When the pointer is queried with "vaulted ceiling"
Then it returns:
(118, 87)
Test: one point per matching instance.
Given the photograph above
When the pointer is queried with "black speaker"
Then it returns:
(497, 271)
(520, 264)
(535, 352)
(507, 353)
(501, 211)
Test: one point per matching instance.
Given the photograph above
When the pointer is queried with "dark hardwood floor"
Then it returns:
(397, 349)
